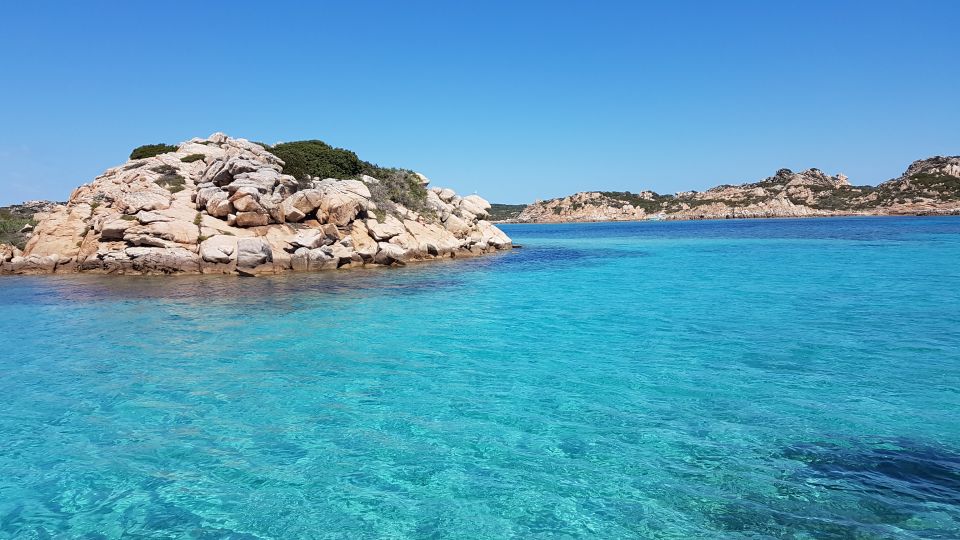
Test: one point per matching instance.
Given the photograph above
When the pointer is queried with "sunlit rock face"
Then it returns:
(929, 186)
(224, 205)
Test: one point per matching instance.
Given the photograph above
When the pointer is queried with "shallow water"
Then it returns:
(729, 379)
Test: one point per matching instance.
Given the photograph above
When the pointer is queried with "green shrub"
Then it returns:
(150, 150)
(173, 182)
(316, 158)
(396, 186)
(165, 169)
(10, 225)
(192, 157)
(938, 183)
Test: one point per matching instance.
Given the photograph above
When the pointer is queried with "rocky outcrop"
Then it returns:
(929, 186)
(234, 211)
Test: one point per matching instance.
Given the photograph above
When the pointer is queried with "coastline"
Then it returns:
(954, 213)
(225, 205)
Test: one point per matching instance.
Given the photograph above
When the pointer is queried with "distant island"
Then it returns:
(929, 186)
(228, 205)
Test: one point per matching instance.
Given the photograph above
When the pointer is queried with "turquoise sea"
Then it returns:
(753, 379)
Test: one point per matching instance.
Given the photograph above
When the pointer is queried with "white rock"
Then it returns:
(309, 238)
(252, 252)
(220, 248)
(447, 195)
(252, 219)
(114, 230)
(386, 230)
(456, 225)
(390, 253)
(363, 244)
(248, 203)
(146, 218)
(475, 204)
(133, 202)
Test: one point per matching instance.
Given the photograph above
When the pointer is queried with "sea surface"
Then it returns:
(753, 379)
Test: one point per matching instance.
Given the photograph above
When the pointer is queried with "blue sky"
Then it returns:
(512, 100)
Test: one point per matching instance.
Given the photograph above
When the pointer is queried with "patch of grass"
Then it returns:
(192, 157)
(128, 217)
(10, 226)
(164, 169)
(397, 186)
(173, 182)
(150, 150)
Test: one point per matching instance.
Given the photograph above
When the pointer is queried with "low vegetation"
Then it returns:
(942, 187)
(173, 182)
(316, 159)
(165, 169)
(844, 198)
(150, 150)
(11, 223)
(396, 186)
(313, 159)
(192, 157)
(503, 212)
(649, 205)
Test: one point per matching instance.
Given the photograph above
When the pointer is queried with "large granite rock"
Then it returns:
(235, 211)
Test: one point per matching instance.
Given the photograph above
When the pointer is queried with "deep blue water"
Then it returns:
(730, 379)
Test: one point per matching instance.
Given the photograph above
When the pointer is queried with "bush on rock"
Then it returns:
(150, 150)
(303, 159)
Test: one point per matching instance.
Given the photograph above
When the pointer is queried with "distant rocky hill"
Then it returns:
(505, 212)
(929, 186)
(226, 205)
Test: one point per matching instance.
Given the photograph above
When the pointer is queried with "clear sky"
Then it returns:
(512, 100)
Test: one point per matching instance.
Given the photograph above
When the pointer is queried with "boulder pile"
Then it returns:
(223, 205)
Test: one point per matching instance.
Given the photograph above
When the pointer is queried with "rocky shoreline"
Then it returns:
(928, 187)
(223, 205)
